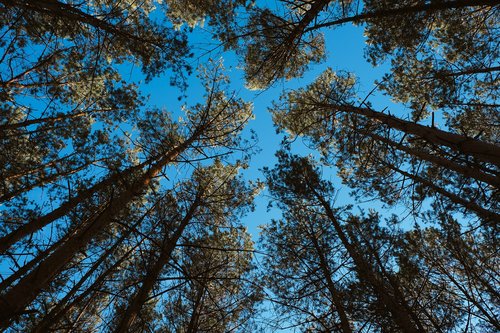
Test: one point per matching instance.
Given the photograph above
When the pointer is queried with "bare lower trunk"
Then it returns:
(71, 13)
(334, 292)
(41, 181)
(29, 265)
(485, 214)
(195, 314)
(442, 162)
(38, 223)
(61, 308)
(38, 169)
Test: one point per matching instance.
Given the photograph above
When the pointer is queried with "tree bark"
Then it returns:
(13, 302)
(61, 308)
(483, 151)
(442, 162)
(483, 213)
(337, 298)
(38, 168)
(135, 305)
(41, 181)
(195, 315)
(38, 223)
(56, 8)
(433, 6)
(400, 315)
(29, 265)
(51, 120)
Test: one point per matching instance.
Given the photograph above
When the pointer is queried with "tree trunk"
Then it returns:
(39, 168)
(135, 305)
(483, 151)
(310, 15)
(334, 292)
(56, 9)
(195, 315)
(433, 6)
(51, 120)
(13, 302)
(61, 308)
(483, 213)
(468, 172)
(29, 265)
(366, 273)
(41, 181)
(395, 285)
(38, 223)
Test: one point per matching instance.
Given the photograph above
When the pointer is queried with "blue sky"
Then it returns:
(345, 49)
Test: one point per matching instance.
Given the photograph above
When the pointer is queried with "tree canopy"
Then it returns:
(120, 214)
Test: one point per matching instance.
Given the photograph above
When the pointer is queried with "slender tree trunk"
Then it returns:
(42, 181)
(29, 265)
(55, 164)
(71, 13)
(481, 150)
(335, 294)
(38, 223)
(195, 315)
(465, 71)
(59, 309)
(13, 302)
(55, 315)
(310, 15)
(483, 213)
(490, 317)
(51, 120)
(366, 273)
(29, 122)
(433, 6)
(395, 285)
(439, 161)
(135, 305)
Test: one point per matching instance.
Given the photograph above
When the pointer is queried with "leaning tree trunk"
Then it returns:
(399, 313)
(433, 6)
(439, 161)
(7, 282)
(14, 301)
(62, 308)
(483, 213)
(336, 295)
(66, 11)
(482, 151)
(38, 223)
(41, 181)
(154, 271)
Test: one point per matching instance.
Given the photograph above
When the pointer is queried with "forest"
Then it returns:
(215, 166)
